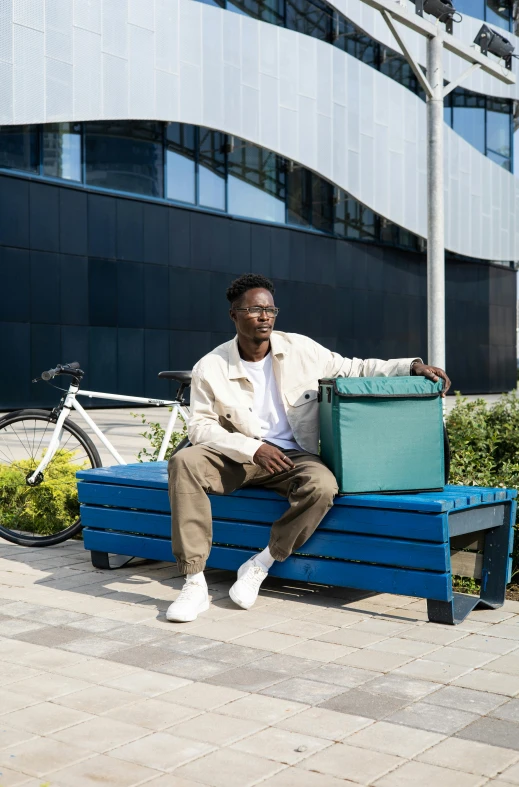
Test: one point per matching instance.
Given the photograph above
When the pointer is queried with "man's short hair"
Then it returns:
(248, 281)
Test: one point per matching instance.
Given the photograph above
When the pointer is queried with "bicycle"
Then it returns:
(38, 494)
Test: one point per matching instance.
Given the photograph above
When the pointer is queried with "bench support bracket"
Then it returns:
(494, 577)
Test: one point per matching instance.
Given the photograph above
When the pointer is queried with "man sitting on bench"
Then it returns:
(255, 421)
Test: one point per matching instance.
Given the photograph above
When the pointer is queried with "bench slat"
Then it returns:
(422, 584)
(329, 544)
(154, 475)
(398, 524)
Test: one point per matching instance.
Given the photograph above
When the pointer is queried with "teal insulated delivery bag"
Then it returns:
(382, 434)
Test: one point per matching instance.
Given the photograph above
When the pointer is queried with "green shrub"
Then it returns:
(155, 434)
(485, 446)
(45, 509)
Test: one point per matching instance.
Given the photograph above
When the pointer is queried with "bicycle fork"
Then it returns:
(37, 476)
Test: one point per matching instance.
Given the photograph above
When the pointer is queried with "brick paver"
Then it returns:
(314, 687)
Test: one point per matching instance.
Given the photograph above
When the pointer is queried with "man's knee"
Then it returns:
(321, 482)
(188, 461)
(327, 483)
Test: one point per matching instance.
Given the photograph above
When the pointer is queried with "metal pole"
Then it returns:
(435, 206)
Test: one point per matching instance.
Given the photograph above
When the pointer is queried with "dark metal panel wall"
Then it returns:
(129, 287)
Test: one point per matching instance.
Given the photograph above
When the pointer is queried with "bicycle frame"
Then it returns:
(71, 403)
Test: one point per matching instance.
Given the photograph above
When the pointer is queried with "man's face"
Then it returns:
(251, 326)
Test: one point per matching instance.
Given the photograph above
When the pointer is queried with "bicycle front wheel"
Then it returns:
(47, 512)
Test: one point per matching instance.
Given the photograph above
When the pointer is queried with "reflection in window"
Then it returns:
(484, 122)
(501, 161)
(206, 168)
(468, 117)
(311, 17)
(256, 182)
(265, 10)
(19, 148)
(499, 13)
(397, 236)
(125, 156)
(61, 150)
(396, 67)
(180, 162)
(322, 203)
(471, 8)
(351, 40)
(298, 196)
(352, 219)
(211, 169)
(498, 127)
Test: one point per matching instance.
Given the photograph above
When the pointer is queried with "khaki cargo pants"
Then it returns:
(197, 471)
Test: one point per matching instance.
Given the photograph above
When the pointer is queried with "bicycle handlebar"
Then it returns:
(68, 368)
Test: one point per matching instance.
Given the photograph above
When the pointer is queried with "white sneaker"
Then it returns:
(245, 590)
(193, 599)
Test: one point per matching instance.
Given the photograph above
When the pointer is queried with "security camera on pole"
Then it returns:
(439, 37)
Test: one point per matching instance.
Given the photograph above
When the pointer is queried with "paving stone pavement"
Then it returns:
(314, 687)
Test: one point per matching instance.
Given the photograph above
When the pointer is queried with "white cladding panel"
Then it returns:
(372, 23)
(178, 60)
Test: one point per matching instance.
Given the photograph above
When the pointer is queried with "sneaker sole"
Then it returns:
(203, 608)
(239, 603)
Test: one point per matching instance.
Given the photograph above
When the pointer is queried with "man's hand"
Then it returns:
(433, 373)
(272, 459)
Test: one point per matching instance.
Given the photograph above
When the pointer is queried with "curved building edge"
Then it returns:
(302, 98)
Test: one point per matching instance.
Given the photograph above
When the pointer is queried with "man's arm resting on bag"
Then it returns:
(337, 366)
(204, 426)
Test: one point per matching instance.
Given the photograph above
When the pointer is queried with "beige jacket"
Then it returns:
(222, 396)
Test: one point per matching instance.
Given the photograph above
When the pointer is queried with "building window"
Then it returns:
(311, 17)
(125, 156)
(211, 169)
(298, 195)
(321, 217)
(61, 150)
(309, 199)
(350, 39)
(352, 219)
(271, 11)
(180, 162)
(394, 235)
(467, 117)
(202, 167)
(484, 122)
(19, 148)
(256, 182)
(471, 8)
(498, 143)
(497, 12)
(396, 67)
(500, 13)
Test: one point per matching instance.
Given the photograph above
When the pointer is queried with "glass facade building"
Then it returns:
(120, 230)
(195, 166)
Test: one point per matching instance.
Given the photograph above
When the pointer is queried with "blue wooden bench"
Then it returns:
(384, 543)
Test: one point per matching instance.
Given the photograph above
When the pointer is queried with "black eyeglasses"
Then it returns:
(257, 311)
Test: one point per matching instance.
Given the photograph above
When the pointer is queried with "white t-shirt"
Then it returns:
(267, 405)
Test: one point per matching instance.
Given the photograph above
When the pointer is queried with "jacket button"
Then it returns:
(307, 396)
(250, 408)
(228, 415)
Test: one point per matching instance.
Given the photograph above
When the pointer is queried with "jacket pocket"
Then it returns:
(303, 394)
(232, 414)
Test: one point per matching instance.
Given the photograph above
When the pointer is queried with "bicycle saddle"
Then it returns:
(184, 378)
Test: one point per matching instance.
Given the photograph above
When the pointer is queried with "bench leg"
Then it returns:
(451, 612)
(102, 560)
(494, 577)
(496, 557)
